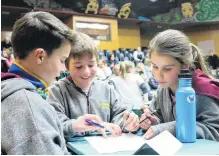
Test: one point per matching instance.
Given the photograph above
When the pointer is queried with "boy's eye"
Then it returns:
(167, 69)
(62, 61)
(155, 67)
(78, 67)
(90, 65)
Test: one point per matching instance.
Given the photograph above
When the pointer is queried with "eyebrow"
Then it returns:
(168, 65)
(81, 62)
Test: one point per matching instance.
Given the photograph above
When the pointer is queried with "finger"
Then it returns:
(131, 126)
(125, 115)
(143, 116)
(103, 132)
(117, 130)
(135, 121)
(93, 117)
(136, 125)
(144, 125)
(153, 119)
(145, 109)
(131, 118)
(113, 132)
(148, 121)
(149, 134)
(90, 128)
(110, 129)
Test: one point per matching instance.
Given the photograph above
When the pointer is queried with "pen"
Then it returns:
(154, 111)
(93, 123)
(126, 118)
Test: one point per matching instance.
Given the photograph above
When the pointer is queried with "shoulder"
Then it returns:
(60, 84)
(37, 104)
(207, 105)
(206, 101)
(138, 77)
(115, 79)
(29, 106)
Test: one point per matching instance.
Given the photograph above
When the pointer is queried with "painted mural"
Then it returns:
(167, 11)
(200, 11)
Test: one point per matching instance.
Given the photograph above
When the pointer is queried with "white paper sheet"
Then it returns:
(126, 142)
(164, 143)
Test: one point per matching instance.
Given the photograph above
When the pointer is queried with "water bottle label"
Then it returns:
(190, 99)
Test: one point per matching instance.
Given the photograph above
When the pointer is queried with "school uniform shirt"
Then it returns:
(71, 102)
(207, 108)
(129, 89)
(103, 74)
(138, 56)
(29, 125)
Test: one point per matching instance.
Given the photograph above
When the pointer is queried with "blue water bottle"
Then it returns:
(185, 108)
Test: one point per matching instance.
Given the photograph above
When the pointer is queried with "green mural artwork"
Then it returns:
(177, 17)
(158, 18)
(209, 10)
(197, 6)
(166, 19)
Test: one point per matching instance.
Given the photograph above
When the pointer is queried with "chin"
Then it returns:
(164, 85)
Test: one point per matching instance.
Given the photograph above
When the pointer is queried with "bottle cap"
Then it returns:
(185, 73)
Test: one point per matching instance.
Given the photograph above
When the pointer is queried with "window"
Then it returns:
(98, 31)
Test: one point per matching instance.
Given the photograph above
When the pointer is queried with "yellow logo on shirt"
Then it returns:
(104, 105)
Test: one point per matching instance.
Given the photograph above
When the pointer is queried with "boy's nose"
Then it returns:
(63, 69)
(86, 70)
(160, 74)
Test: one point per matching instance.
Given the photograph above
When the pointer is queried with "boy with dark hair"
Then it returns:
(41, 43)
(80, 93)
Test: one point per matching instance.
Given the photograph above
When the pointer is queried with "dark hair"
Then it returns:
(82, 46)
(38, 30)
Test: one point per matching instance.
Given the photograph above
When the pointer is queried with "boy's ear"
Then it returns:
(40, 55)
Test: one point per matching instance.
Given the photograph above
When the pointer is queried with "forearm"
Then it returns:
(169, 126)
(202, 131)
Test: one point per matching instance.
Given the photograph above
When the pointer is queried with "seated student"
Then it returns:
(7, 56)
(140, 69)
(80, 93)
(130, 86)
(29, 125)
(170, 51)
(103, 71)
(6, 43)
(138, 56)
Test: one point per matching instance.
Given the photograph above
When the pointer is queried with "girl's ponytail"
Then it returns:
(122, 70)
(198, 59)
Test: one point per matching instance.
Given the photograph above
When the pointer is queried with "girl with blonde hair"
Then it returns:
(130, 86)
(170, 51)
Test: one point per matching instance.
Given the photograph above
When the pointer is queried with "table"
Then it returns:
(80, 146)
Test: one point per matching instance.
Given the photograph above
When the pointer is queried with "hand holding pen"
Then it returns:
(114, 129)
(147, 119)
(80, 124)
(130, 121)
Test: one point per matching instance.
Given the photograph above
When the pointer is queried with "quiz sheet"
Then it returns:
(132, 142)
